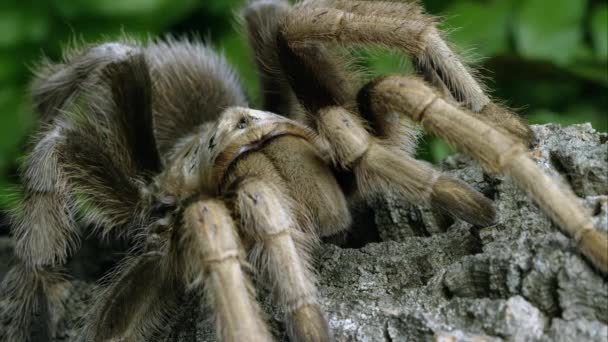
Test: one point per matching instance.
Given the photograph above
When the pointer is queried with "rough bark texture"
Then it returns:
(432, 278)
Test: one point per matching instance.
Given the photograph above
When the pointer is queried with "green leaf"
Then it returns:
(592, 71)
(10, 25)
(11, 66)
(18, 26)
(433, 149)
(155, 11)
(550, 30)
(439, 150)
(131, 7)
(10, 195)
(575, 115)
(382, 62)
(224, 7)
(14, 124)
(479, 26)
(599, 31)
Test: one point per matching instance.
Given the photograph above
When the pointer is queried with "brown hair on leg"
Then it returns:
(135, 303)
(410, 29)
(262, 21)
(281, 251)
(497, 152)
(58, 84)
(379, 169)
(213, 257)
(30, 302)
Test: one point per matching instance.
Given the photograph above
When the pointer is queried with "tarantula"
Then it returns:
(155, 142)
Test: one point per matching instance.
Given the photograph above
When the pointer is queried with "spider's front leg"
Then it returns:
(213, 257)
(200, 253)
(206, 251)
(498, 153)
(281, 252)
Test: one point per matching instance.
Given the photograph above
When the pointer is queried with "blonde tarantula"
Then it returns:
(156, 142)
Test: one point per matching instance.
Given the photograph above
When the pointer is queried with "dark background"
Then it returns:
(546, 58)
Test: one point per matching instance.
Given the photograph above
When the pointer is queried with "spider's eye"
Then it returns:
(242, 124)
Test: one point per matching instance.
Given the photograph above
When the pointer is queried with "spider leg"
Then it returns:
(378, 169)
(28, 311)
(136, 302)
(108, 152)
(212, 256)
(261, 21)
(323, 90)
(84, 153)
(281, 252)
(45, 232)
(57, 85)
(497, 152)
(203, 254)
(408, 28)
(192, 85)
(131, 89)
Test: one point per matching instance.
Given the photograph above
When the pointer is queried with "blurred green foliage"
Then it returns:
(546, 58)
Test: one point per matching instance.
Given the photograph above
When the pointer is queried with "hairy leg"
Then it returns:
(212, 257)
(320, 79)
(408, 28)
(192, 85)
(44, 225)
(281, 253)
(84, 154)
(101, 145)
(102, 150)
(261, 20)
(379, 169)
(130, 85)
(496, 151)
(58, 84)
(45, 233)
(30, 303)
(135, 302)
(325, 92)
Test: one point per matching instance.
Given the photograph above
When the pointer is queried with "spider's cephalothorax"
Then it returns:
(155, 142)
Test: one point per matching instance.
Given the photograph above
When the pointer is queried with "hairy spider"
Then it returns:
(155, 142)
